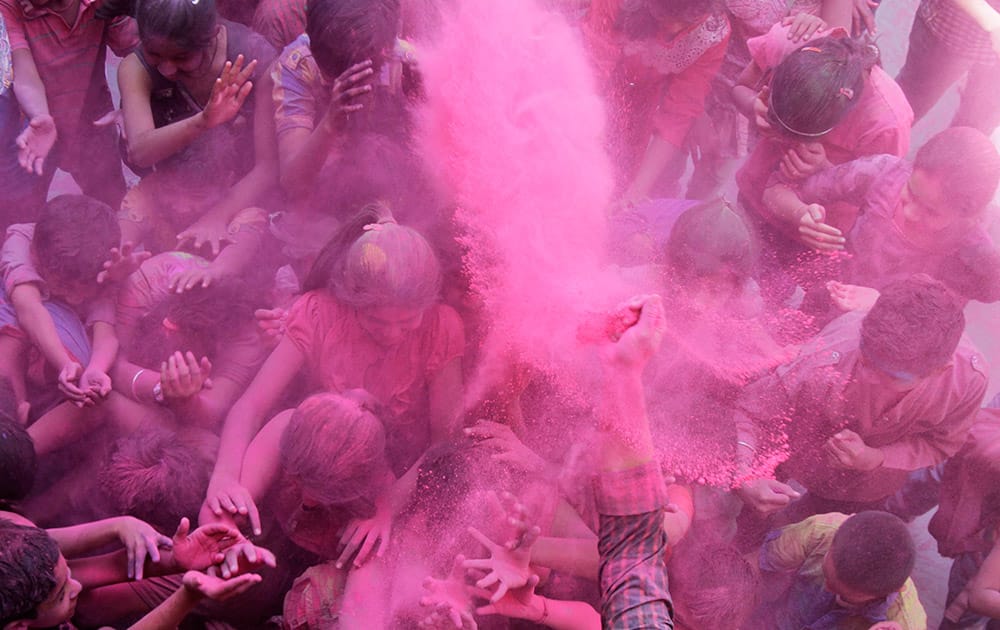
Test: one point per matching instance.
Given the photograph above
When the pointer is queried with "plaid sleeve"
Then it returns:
(633, 546)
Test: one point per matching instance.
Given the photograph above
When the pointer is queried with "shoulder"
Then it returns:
(251, 44)
(971, 363)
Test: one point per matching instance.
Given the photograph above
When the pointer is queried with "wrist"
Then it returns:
(540, 609)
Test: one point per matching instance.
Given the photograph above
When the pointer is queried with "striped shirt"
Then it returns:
(957, 30)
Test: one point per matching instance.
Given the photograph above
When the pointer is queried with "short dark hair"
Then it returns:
(345, 32)
(190, 25)
(18, 462)
(74, 236)
(27, 570)
(716, 583)
(914, 326)
(711, 238)
(966, 164)
(873, 553)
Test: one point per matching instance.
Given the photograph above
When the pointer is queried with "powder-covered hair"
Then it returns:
(28, 558)
(374, 262)
(914, 326)
(159, 476)
(334, 445)
(815, 86)
(74, 236)
(966, 164)
(709, 239)
(18, 462)
(873, 552)
(717, 585)
(192, 26)
(345, 32)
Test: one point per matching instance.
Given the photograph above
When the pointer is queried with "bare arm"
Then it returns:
(37, 324)
(28, 87)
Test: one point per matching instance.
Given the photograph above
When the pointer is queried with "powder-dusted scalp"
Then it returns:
(334, 445)
(873, 552)
(375, 262)
(189, 25)
(18, 462)
(709, 239)
(28, 558)
(915, 326)
(966, 164)
(345, 32)
(74, 236)
(716, 583)
(815, 86)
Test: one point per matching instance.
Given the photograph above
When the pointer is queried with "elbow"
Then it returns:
(137, 154)
(980, 600)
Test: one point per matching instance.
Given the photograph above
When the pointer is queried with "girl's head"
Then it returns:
(711, 251)
(387, 272)
(814, 87)
(334, 448)
(178, 36)
(955, 175)
(345, 32)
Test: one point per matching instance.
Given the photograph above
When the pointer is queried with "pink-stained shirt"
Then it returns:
(18, 266)
(880, 252)
(878, 124)
(817, 395)
(238, 358)
(70, 60)
(340, 355)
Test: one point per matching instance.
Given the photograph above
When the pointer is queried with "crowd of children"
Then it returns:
(238, 393)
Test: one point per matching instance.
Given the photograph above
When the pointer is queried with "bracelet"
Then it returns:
(158, 393)
(134, 380)
(545, 610)
(747, 445)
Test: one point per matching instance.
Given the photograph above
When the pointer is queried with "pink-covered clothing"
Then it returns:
(878, 124)
(880, 252)
(340, 355)
(18, 266)
(238, 358)
(818, 394)
(70, 60)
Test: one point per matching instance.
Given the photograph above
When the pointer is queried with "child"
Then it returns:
(845, 572)
(370, 320)
(916, 218)
(182, 100)
(50, 274)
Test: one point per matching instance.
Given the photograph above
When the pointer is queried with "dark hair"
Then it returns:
(18, 463)
(973, 272)
(158, 476)
(873, 553)
(27, 570)
(74, 237)
(192, 26)
(374, 261)
(815, 86)
(966, 164)
(708, 239)
(716, 583)
(345, 32)
(641, 19)
(914, 326)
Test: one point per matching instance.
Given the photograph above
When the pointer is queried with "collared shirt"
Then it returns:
(70, 60)
(632, 544)
(801, 549)
(301, 94)
(798, 408)
(957, 30)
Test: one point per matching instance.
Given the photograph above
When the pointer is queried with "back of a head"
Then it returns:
(815, 86)
(191, 26)
(716, 585)
(18, 462)
(74, 236)
(345, 32)
(872, 552)
(335, 446)
(642, 19)
(159, 476)
(28, 558)
(373, 261)
(966, 164)
(914, 326)
(711, 239)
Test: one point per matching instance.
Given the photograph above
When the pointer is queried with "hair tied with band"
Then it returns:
(847, 92)
(812, 49)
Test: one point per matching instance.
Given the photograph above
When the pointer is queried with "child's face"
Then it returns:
(72, 292)
(847, 596)
(61, 604)
(923, 205)
(172, 61)
(390, 325)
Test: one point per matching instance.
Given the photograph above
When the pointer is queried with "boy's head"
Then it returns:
(160, 476)
(955, 175)
(714, 587)
(17, 460)
(36, 588)
(73, 238)
(345, 32)
(912, 331)
(871, 557)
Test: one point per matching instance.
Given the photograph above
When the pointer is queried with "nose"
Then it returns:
(75, 588)
(167, 69)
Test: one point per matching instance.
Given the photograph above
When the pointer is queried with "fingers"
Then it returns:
(483, 563)
(183, 528)
(482, 538)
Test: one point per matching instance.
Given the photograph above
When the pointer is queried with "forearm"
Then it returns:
(242, 423)
(235, 258)
(80, 539)
(574, 556)
(981, 12)
(170, 613)
(300, 170)
(783, 204)
(105, 347)
(627, 441)
(34, 320)
(28, 87)
(743, 98)
(150, 147)
(134, 381)
(837, 13)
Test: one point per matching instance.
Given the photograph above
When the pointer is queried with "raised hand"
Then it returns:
(183, 376)
(450, 599)
(229, 92)
(242, 558)
(506, 446)
(96, 384)
(208, 230)
(852, 297)
(140, 540)
(204, 546)
(639, 343)
(69, 377)
(228, 497)
(816, 233)
(219, 589)
(362, 535)
(506, 568)
(124, 262)
(848, 450)
(803, 26)
(191, 278)
(35, 143)
(767, 495)
(518, 603)
(347, 90)
(804, 159)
